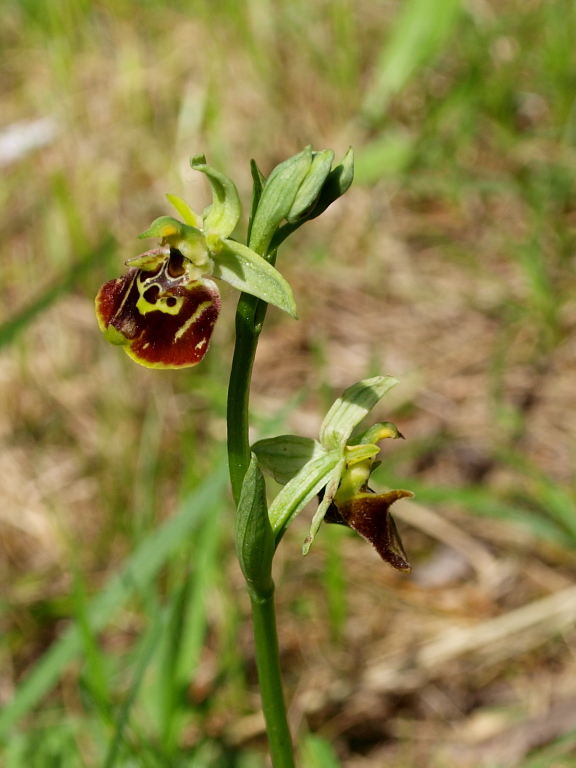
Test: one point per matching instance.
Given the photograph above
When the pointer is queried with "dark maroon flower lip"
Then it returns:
(369, 515)
(161, 313)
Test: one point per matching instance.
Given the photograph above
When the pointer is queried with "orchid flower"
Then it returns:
(337, 467)
(163, 310)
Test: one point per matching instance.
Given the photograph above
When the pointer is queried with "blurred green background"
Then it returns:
(450, 264)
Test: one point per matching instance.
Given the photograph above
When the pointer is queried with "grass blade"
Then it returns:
(138, 571)
(11, 328)
(417, 37)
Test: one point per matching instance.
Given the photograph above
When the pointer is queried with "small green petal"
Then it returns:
(225, 210)
(380, 432)
(357, 453)
(188, 240)
(351, 408)
(191, 218)
(245, 270)
(166, 227)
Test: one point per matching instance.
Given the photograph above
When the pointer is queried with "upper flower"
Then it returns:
(337, 467)
(163, 310)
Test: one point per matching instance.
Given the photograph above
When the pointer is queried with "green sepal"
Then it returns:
(300, 489)
(225, 210)
(277, 198)
(312, 184)
(253, 535)
(286, 455)
(258, 183)
(351, 408)
(188, 215)
(248, 272)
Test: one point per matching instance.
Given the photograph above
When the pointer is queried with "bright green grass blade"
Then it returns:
(388, 155)
(54, 746)
(416, 39)
(482, 501)
(11, 328)
(136, 574)
(334, 581)
(560, 753)
(95, 668)
(147, 647)
(187, 628)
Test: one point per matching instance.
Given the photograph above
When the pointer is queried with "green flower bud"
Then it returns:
(311, 186)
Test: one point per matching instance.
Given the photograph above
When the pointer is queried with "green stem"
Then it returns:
(270, 677)
(249, 319)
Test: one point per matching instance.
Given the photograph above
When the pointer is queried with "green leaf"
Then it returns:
(225, 209)
(253, 534)
(284, 456)
(351, 408)
(277, 198)
(303, 487)
(312, 184)
(188, 215)
(244, 269)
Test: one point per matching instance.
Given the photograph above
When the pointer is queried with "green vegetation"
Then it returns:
(449, 265)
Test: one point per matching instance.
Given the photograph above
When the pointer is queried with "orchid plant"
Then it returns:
(162, 312)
